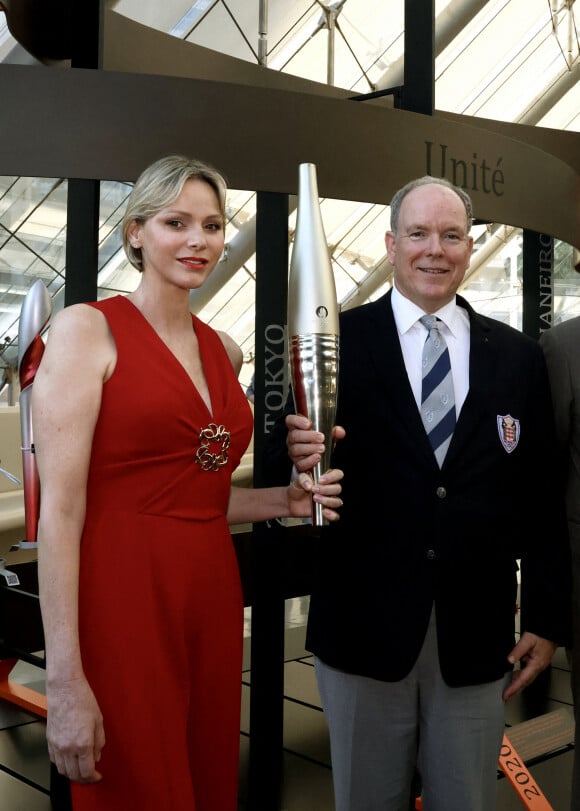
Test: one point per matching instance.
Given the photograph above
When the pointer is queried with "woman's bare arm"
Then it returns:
(79, 356)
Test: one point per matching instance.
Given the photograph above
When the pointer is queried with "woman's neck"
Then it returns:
(166, 308)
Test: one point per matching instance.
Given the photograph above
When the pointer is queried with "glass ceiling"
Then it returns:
(497, 59)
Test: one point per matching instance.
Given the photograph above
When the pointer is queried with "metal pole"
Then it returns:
(538, 283)
(331, 15)
(83, 196)
(267, 594)
(419, 81)
(263, 33)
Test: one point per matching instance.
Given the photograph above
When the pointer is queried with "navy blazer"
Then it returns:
(412, 535)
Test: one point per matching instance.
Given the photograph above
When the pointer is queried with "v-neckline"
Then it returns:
(176, 361)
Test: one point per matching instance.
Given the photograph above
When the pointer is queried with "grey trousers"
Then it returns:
(380, 732)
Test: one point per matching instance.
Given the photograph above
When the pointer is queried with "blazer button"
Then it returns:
(441, 492)
(431, 554)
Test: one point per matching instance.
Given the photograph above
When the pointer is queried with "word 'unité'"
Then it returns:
(474, 174)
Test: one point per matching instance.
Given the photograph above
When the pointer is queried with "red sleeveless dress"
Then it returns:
(160, 601)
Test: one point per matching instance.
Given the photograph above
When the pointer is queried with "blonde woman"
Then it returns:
(139, 422)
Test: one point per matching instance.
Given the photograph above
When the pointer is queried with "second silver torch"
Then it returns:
(313, 330)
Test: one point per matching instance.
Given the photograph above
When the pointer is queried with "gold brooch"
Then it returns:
(213, 434)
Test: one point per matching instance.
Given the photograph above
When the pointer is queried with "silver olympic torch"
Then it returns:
(34, 315)
(313, 331)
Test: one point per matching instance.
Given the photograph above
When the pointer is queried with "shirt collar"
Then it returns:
(407, 313)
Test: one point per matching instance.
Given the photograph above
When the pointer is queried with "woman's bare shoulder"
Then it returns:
(77, 317)
(81, 330)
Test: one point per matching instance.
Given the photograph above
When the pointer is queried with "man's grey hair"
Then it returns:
(427, 180)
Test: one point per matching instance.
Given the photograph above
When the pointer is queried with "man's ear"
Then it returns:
(390, 245)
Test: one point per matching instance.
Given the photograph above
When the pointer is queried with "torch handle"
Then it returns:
(314, 372)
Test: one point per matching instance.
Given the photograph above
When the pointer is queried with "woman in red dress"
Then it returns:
(139, 422)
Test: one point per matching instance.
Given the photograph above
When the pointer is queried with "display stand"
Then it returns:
(537, 738)
(24, 697)
(21, 631)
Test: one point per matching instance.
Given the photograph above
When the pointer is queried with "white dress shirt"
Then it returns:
(412, 335)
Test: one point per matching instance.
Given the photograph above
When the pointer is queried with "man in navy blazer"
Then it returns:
(413, 609)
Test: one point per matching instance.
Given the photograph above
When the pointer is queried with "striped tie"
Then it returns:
(437, 400)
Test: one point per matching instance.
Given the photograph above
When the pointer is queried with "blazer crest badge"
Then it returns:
(509, 431)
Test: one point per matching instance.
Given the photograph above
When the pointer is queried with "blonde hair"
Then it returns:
(158, 186)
